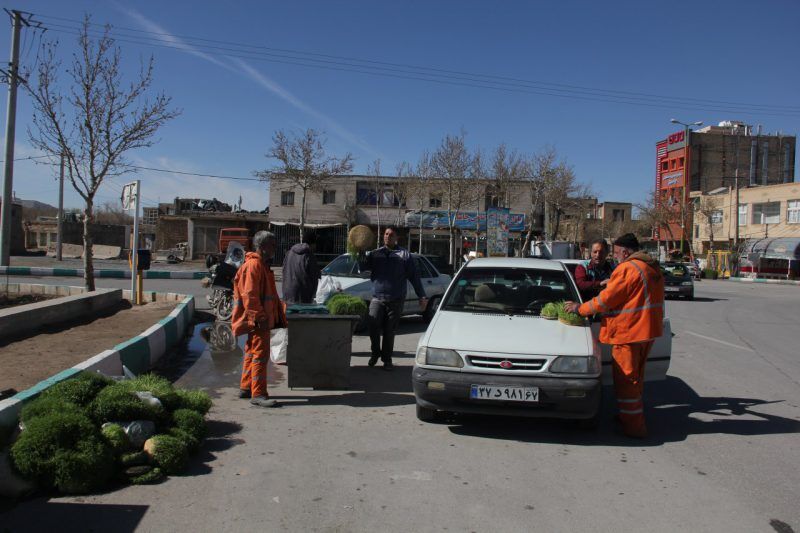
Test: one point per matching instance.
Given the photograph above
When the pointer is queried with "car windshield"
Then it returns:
(675, 271)
(508, 290)
(344, 265)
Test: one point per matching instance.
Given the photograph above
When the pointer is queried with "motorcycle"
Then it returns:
(220, 280)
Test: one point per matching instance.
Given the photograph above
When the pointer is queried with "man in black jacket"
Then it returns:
(301, 272)
(391, 267)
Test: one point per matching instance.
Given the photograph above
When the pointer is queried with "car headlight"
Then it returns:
(438, 357)
(686, 283)
(567, 364)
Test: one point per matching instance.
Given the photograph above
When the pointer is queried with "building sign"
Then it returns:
(469, 220)
(674, 179)
(497, 232)
(676, 140)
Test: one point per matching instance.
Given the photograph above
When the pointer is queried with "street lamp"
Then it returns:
(686, 130)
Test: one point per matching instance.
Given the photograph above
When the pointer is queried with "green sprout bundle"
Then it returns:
(77, 435)
(345, 304)
(571, 319)
(550, 310)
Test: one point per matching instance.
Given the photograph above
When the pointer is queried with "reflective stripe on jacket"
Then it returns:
(632, 304)
(255, 297)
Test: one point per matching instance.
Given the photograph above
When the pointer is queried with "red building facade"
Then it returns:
(672, 164)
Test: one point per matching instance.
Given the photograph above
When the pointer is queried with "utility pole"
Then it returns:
(11, 122)
(59, 235)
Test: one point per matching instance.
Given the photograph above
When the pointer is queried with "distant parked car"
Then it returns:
(678, 280)
(349, 278)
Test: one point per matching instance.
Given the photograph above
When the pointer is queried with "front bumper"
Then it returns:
(553, 400)
(683, 290)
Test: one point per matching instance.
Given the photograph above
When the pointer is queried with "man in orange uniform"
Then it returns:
(632, 305)
(256, 310)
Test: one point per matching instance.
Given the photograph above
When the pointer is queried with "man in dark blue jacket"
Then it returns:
(391, 267)
(300, 271)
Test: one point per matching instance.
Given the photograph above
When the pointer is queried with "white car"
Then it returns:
(347, 277)
(488, 350)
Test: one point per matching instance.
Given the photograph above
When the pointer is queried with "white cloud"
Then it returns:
(250, 72)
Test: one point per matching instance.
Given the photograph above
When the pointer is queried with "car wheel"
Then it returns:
(427, 415)
(690, 296)
(427, 316)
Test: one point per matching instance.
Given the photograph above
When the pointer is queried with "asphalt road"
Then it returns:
(723, 453)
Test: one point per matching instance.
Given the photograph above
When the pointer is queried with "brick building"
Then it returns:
(715, 157)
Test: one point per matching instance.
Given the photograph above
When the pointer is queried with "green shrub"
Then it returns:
(158, 386)
(192, 443)
(47, 404)
(116, 403)
(191, 422)
(196, 400)
(134, 459)
(63, 450)
(80, 389)
(710, 273)
(345, 304)
(170, 453)
(116, 438)
(153, 476)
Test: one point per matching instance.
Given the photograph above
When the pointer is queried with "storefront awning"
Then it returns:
(308, 225)
(781, 248)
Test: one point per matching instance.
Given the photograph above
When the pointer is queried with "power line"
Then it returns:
(460, 79)
(417, 67)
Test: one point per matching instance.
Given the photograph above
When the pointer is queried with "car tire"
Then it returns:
(427, 316)
(690, 296)
(427, 415)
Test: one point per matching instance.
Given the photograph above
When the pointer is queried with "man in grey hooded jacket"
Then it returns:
(301, 272)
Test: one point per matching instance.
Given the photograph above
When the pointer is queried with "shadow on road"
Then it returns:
(673, 409)
(42, 514)
(707, 299)
(219, 439)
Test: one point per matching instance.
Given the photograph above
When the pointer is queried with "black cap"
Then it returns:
(628, 240)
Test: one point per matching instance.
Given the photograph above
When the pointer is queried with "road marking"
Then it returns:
(745, 348)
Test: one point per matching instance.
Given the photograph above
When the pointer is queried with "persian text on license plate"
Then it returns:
(495, 392)
(671, 289)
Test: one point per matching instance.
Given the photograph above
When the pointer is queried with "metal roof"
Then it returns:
(779, 248)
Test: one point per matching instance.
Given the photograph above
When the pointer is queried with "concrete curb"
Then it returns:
(137, 355)
(101, 273)
(770, 281)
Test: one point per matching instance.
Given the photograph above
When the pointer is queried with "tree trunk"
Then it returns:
(421, 214)
(302, 214)
(88, 266)
(528, 237)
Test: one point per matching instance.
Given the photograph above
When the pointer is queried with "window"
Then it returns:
(793, 211)
(696, 231)
(287, 198)
(743, 214)
(328, 197)
(664, 165)
(435, 200)
(716, 217)
(618, 215)
(422, 268)
(680, 162)
(767, 213)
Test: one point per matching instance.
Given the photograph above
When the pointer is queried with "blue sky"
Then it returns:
(731, 51)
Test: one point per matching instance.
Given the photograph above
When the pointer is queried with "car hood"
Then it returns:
(519, 334)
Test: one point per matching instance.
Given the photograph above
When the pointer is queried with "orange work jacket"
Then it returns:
(255, 298)
(632, 304)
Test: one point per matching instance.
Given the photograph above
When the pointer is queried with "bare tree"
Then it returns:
(374, 170)
(658, 215)
(708, 208)
(421, 187)
(94, 121)
(403, 188)
(507, 168)
(542, 164)
(452, 164)
(112, 213)
(303, 164)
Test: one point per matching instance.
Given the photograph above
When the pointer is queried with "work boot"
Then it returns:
(373, 360)
(245, 393)
(388, 366)
(264, 401)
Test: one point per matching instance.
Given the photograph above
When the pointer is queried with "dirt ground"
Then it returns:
(25, 362)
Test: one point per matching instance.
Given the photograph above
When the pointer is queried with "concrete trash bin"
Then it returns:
(318, 354)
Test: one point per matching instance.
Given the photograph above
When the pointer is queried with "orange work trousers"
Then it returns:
(628, 371)
(254, 366)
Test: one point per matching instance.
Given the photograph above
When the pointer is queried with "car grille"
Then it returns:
(482, 361)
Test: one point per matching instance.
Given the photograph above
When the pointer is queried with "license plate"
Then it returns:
(502, 393)
(671, 289)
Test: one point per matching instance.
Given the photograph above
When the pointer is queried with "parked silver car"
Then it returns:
(348, 277)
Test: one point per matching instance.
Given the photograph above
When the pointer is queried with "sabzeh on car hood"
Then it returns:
(507, 334)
